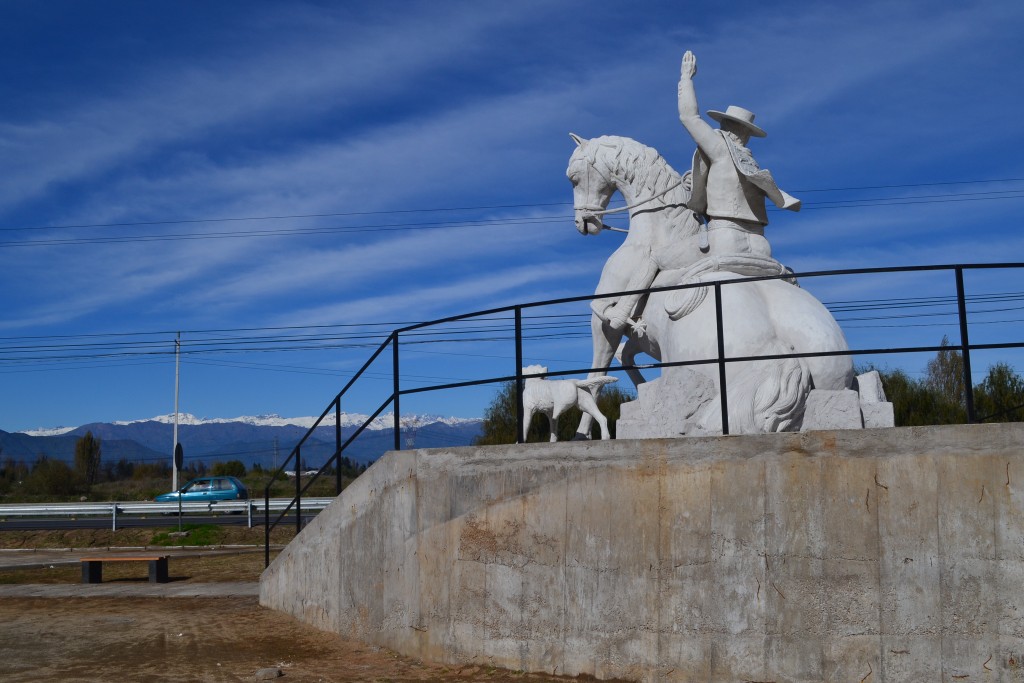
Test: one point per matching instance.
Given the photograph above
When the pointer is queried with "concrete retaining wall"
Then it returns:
(868, 555)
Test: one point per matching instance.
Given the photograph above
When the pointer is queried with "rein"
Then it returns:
(594, 212)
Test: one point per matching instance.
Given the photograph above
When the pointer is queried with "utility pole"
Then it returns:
(177, 356)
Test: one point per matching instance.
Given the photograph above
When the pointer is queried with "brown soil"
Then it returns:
(184, 639)
(195, 639)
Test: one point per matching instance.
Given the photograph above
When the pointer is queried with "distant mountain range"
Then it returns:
(264, 439)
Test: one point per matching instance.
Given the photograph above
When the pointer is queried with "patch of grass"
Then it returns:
(134, 537)
(198, 534)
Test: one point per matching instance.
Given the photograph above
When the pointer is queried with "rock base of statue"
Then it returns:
(684, 402)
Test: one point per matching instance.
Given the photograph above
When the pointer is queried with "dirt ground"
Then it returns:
(195, 639)
(184, 639)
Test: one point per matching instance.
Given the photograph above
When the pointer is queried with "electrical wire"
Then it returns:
(480, 222)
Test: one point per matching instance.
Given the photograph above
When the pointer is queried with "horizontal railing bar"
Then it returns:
(458, 385)
(707, 361)
(812, 273)
(989, 347)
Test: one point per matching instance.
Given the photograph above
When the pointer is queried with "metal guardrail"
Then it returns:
(150, 508)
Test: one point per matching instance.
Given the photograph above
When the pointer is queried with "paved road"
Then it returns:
(134, 590)
(27, 524)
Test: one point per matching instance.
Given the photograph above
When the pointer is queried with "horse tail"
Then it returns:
(779, 402)
(769, 395)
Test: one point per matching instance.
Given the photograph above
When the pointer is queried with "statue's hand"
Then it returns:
(688, 69)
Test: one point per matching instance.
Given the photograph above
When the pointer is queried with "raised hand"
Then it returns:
(688, 69)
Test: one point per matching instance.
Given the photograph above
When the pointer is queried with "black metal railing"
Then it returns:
(964, 347)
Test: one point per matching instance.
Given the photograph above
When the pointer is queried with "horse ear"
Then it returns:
(577, 139)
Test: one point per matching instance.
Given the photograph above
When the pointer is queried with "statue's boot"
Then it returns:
(617, 312)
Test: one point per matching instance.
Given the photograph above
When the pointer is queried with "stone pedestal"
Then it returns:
(801, 557)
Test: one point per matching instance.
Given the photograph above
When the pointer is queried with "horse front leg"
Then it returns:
(606, 340)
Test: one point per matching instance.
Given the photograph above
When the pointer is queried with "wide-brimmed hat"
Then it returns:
(740, 115)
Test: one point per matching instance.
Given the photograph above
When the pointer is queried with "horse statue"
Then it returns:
(665, 247)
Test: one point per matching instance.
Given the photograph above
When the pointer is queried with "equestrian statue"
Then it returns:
(704, 227)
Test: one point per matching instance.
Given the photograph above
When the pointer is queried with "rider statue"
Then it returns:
(727, 191)
(728, 186)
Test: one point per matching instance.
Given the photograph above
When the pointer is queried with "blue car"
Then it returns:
(207, 489)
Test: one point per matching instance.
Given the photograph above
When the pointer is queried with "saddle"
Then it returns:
(682, 302)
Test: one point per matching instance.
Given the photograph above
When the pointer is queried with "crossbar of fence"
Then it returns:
(965, 348)
(144, 508)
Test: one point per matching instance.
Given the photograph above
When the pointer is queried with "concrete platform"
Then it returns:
(861, 555)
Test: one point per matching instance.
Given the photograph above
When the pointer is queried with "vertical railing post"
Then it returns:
(965, 345)
(298, 490)
(113, 517)
(337, 446)
(722, 391)
(395, 396)
(266, 526)
(520, 410)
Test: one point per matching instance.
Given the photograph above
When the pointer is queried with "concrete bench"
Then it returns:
(92, 567)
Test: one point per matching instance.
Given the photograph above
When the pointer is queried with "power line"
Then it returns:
(228, 219)
(482, 222)
(493, 207)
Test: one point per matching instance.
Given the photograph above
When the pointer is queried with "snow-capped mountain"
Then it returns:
(264, 438)
(383, 421)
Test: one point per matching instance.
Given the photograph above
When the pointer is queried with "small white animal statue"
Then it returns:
(554, 397)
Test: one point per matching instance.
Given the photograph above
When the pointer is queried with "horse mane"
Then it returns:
(643, 168)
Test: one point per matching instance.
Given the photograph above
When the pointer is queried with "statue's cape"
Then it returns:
(744, 162)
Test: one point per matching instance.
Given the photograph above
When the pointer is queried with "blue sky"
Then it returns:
(348, 133)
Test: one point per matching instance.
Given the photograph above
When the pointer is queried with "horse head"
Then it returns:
(592, 189)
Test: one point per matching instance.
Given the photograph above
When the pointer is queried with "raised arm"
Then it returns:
(704, 135)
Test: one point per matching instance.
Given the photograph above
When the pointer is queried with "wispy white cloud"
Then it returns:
(286, 79)
(425, 301)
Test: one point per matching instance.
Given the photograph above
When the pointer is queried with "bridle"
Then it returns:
(598, 212)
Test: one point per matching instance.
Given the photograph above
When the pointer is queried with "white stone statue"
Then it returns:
(553, 397)
(705, 227)
(760, 318)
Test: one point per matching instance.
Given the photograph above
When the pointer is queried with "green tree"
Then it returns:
(938, 398)
(12, 473)
(1000, 396)
(87, 458)
(916, 402)
(944, 374)
(499, 425)
(51, 478)
(231, 468)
